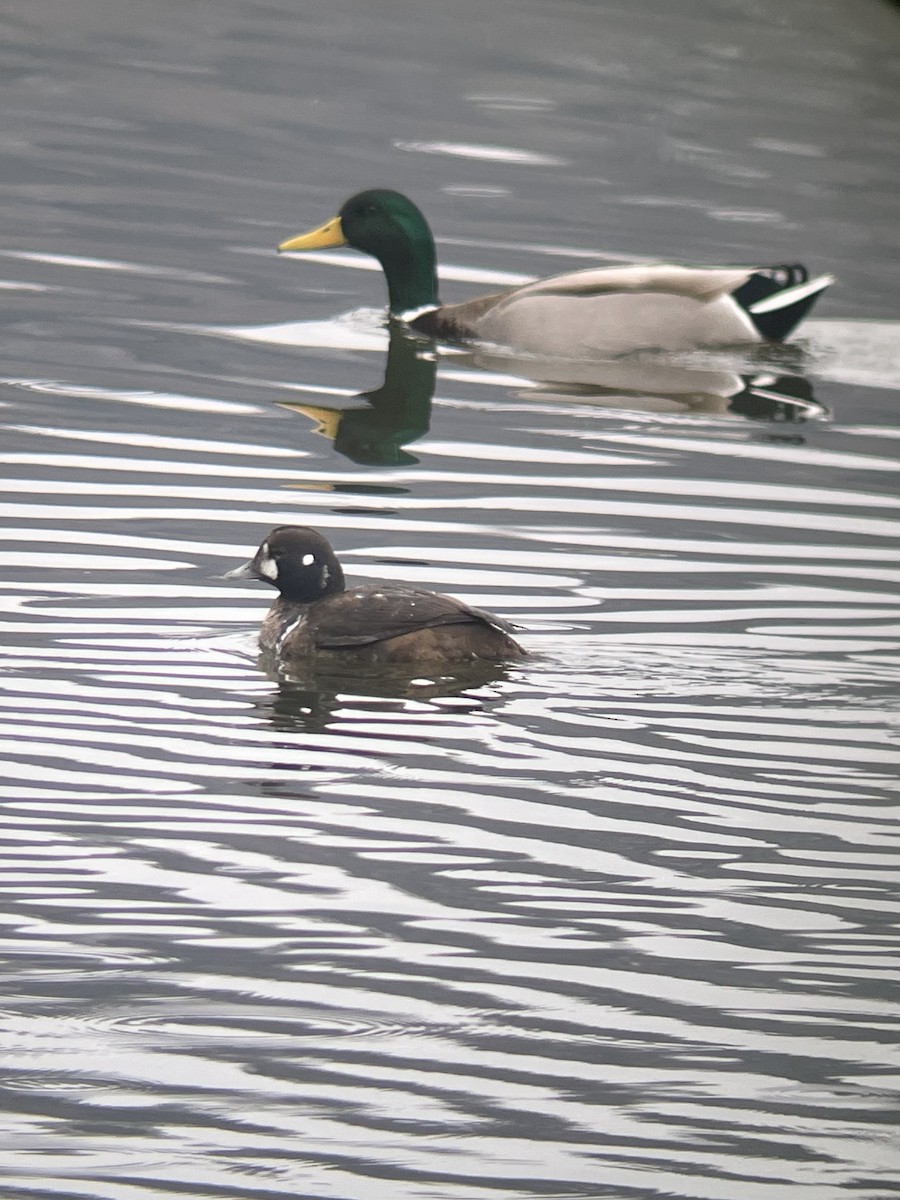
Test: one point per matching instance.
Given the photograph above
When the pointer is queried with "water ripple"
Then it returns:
(616, 920)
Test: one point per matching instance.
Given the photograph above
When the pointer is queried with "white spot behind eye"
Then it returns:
(268, 567)
(308, 560)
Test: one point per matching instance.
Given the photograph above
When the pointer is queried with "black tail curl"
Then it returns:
(778, 322)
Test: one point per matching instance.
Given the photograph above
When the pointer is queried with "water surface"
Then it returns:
(620, 921)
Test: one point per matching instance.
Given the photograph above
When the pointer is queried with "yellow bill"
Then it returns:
(327, 420)
(327, 235)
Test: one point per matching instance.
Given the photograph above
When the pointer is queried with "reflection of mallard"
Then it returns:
(397, 413)
(784, 398)
(652, 384)
(608, 310)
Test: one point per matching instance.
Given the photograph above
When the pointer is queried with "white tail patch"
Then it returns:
(791, 295)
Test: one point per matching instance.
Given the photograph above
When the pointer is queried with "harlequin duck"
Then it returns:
(373, 623)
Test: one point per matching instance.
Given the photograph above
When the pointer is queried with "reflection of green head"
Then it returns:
(396, 414)
(388, 226)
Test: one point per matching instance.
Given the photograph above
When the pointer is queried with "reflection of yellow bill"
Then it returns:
(324, 238)
(327, 420)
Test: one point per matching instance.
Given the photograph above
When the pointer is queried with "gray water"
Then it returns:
(620, 921)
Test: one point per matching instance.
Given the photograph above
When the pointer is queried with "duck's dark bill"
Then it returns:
(324, 238)
(244, 572)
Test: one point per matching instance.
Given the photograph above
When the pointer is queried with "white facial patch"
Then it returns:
(308, 560)
(268, 567)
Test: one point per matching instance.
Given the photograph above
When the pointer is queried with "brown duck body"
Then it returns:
(316, 616)
(386, 623)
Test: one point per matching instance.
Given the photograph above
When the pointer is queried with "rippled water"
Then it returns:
(618, 921)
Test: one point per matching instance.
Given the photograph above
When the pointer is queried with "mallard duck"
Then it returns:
(316, 615)
(606, 310)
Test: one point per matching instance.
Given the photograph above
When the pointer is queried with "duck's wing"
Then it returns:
(691, 283)
(373, 613)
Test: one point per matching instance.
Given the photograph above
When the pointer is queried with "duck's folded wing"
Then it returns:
(363, 615)
(695, 283)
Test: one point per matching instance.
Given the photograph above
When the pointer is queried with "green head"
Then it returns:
(388, 226)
